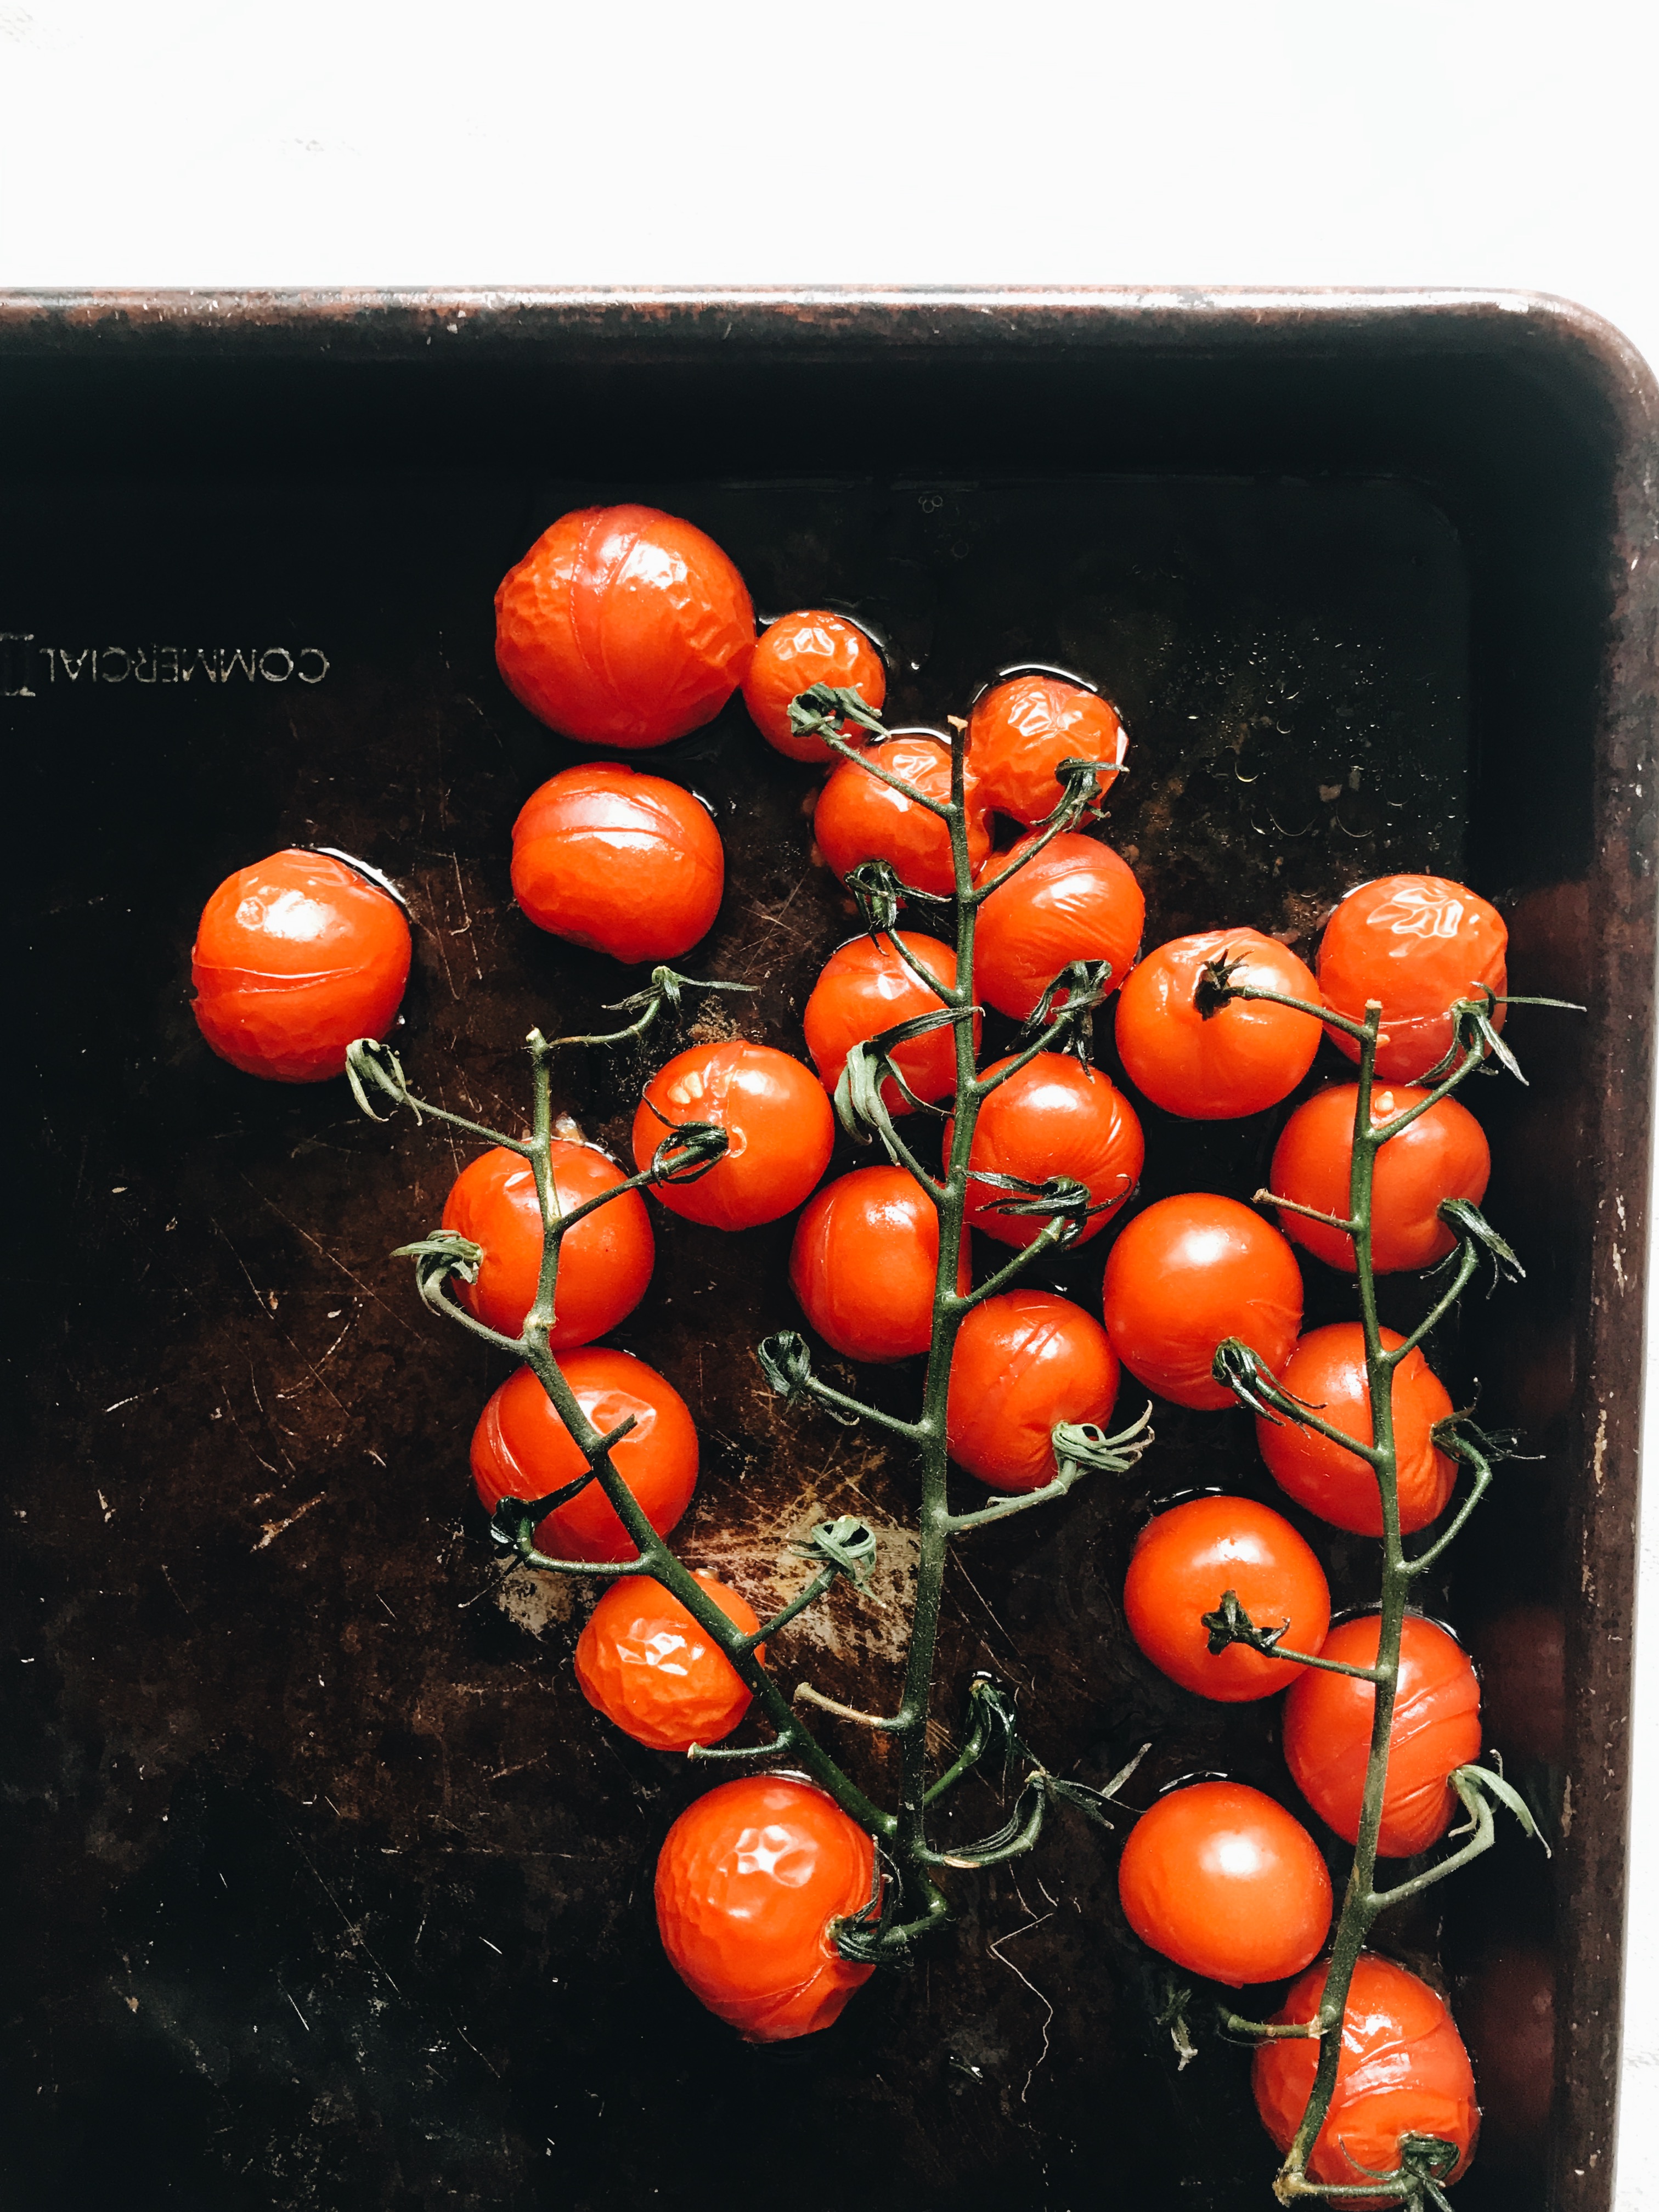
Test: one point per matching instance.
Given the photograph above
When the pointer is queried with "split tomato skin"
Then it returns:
(1077, 900)
(1024, 1361)
(1054, 1117)
(780, 1128)
(1188, 1272)
(645, 1662)
(1415, 943)
(864, 989)
(1020, 732)
(859, 818)
(1443, 1154)
(623, 863)
(1226, 1882)
(1246, 1056)
(604, 1263)
(795, 652)
(1185, 1562)
(864, 1264)
(1327, 1371)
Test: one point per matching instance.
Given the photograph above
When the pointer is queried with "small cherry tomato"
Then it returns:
(1184, 1563)
(1184, 1275)
(624, 863)
(1508, 2007)
(751, 1880)
(645, 1664)
(781, 1129)
(1245, 1056)
(1435, 1728)
(296, 959)
(1226, 1882)
(1023, 1362)
(1326, 1372)
(859, 817)
(796, 652)
(1019, 733)
(1522, 1653)
(1055, 1117)
(1076, 901)
(865, 987)
(521, 1449)
(1441, 1154)
(864, 1263)
(1414, 943)
(604, 1262)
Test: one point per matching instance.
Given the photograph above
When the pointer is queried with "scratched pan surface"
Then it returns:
(328, 1888)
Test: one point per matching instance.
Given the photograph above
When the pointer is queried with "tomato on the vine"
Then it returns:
(795, 652)
(1245, 1056)
(1052, 1117)
(1443, 1154)
(859, 818)
(864, 989)
(624, 863)
(604, 1261)
(1188, 1272)
(1415, 943)
(645, 1662)
(1184, 1563)
(1018, 733)
(779, 1126)
(1224, 1881)
(864, 1261)
(1326, 1372)
(1023, 1362)
(1076, 900)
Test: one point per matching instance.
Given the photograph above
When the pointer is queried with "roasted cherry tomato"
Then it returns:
(1227, 1883)
(750, 1882)
(624, 863)
(1019, 733)
(1414, 943)
(1327, 1371)
(1075, 901)
(1023, 1362)
(643, 1661)
(521, 1449)
(864, 1263)
(1055, 1117)
(604, 1262)
(779, 1125)
(1184, 1275)
(866, 987)
(1246, 1056)
(1443, 1154)
(1437, 1727)
(1184, 1563)
(859, 817)
(795, 652)
(294, 959)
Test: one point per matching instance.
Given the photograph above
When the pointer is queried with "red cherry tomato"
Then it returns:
(1522, 1654)
(1226, 1882)
(521, 1449)
(1415, 943)
(864, 1263)
(1076, 901)
(1019, 733)
(1244, 1057)
(624, 626)
(643, 1661)
(1508, 2007)
(1184, 1275)
(604, 1263)
(1023, 1362)
(749, 1881)
(1327, 1371)
(781, 1127)
(859, 817)
(796, 652)
(1437, 1727)
(296, 959)
(1055, 1117)
(1184, 1563)
(865, 987)
(1441, 1154)
(624, 863)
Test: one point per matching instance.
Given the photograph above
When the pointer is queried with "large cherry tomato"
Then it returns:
(624, 626)
(781, 1129)
(1019, 733)
(1184, 1563)
(864, 1261)
(751, 1880)
(1055, 1117)
(1326, 1372)
(1226, 1882)
(604, 1262)
(1246, 1056)
(1441, 1154)
(1184, 1275)
(795, 652)
(1414, 943)
(296, 959)
(1435, 1728)
(645, 1664)
(622, 862)
(1023, 1362)
(865, 987)
(521, 1449)
(859, 817)
(1076, 901)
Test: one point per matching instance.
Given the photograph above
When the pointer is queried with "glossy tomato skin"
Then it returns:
(781, 1127)
(795, 652)
(1246, 1056)
(1435, 1728)
(1443, 1154)
(624, 626)
(1054, 1117)
(294, 959)
(1185, 1562)
(1184, 1275)
(645, 1664)
(859, 818)
(864, 1261)
(1024, 1361)
(607, 1260)
(624, 863)
(521, 1449)
(1019, 733)
(864, 989)
(1226, 1882)
(749, 1881)
(1327, 1371)
(1416, 943)
(1075, 901)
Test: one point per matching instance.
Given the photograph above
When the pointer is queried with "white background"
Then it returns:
(184, 143)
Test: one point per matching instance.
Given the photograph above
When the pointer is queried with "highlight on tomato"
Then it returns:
(1187, 1559)
(1326, 1372)
(1415, 943)
(624, 863)
(795, 652)
(1077, 900)
(604, 1261)
(645, 1662)
(1054, 1117)
(1224, 1881)
(780, 1127)
(296, 959)
(859, 818)
(1024, 1361)
(1212, 1062)
(1020, 731)
(1188, 1272)
(864, 989)
(864, 1261)
(1443, 1154)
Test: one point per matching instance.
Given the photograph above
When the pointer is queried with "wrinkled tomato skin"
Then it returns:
(1185, 1562)
(749, 1879)
(1226, 1882)
(623, 863)
(864, 989)
(624, 626)
(1246, 1056)
(521, 1449)
(864, 1263)
(1327, 1370)
(645, 1664)
(859, 818)
(795, 652)
(1414, 943)
(604, 1264)
(1076, 901)
(1443, 1154)
(294, 959)
(1024, 1361)
(1019, 733)
(1435, 1728)
(781, 1127)
(1184, 1275)
(1055, 1117)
